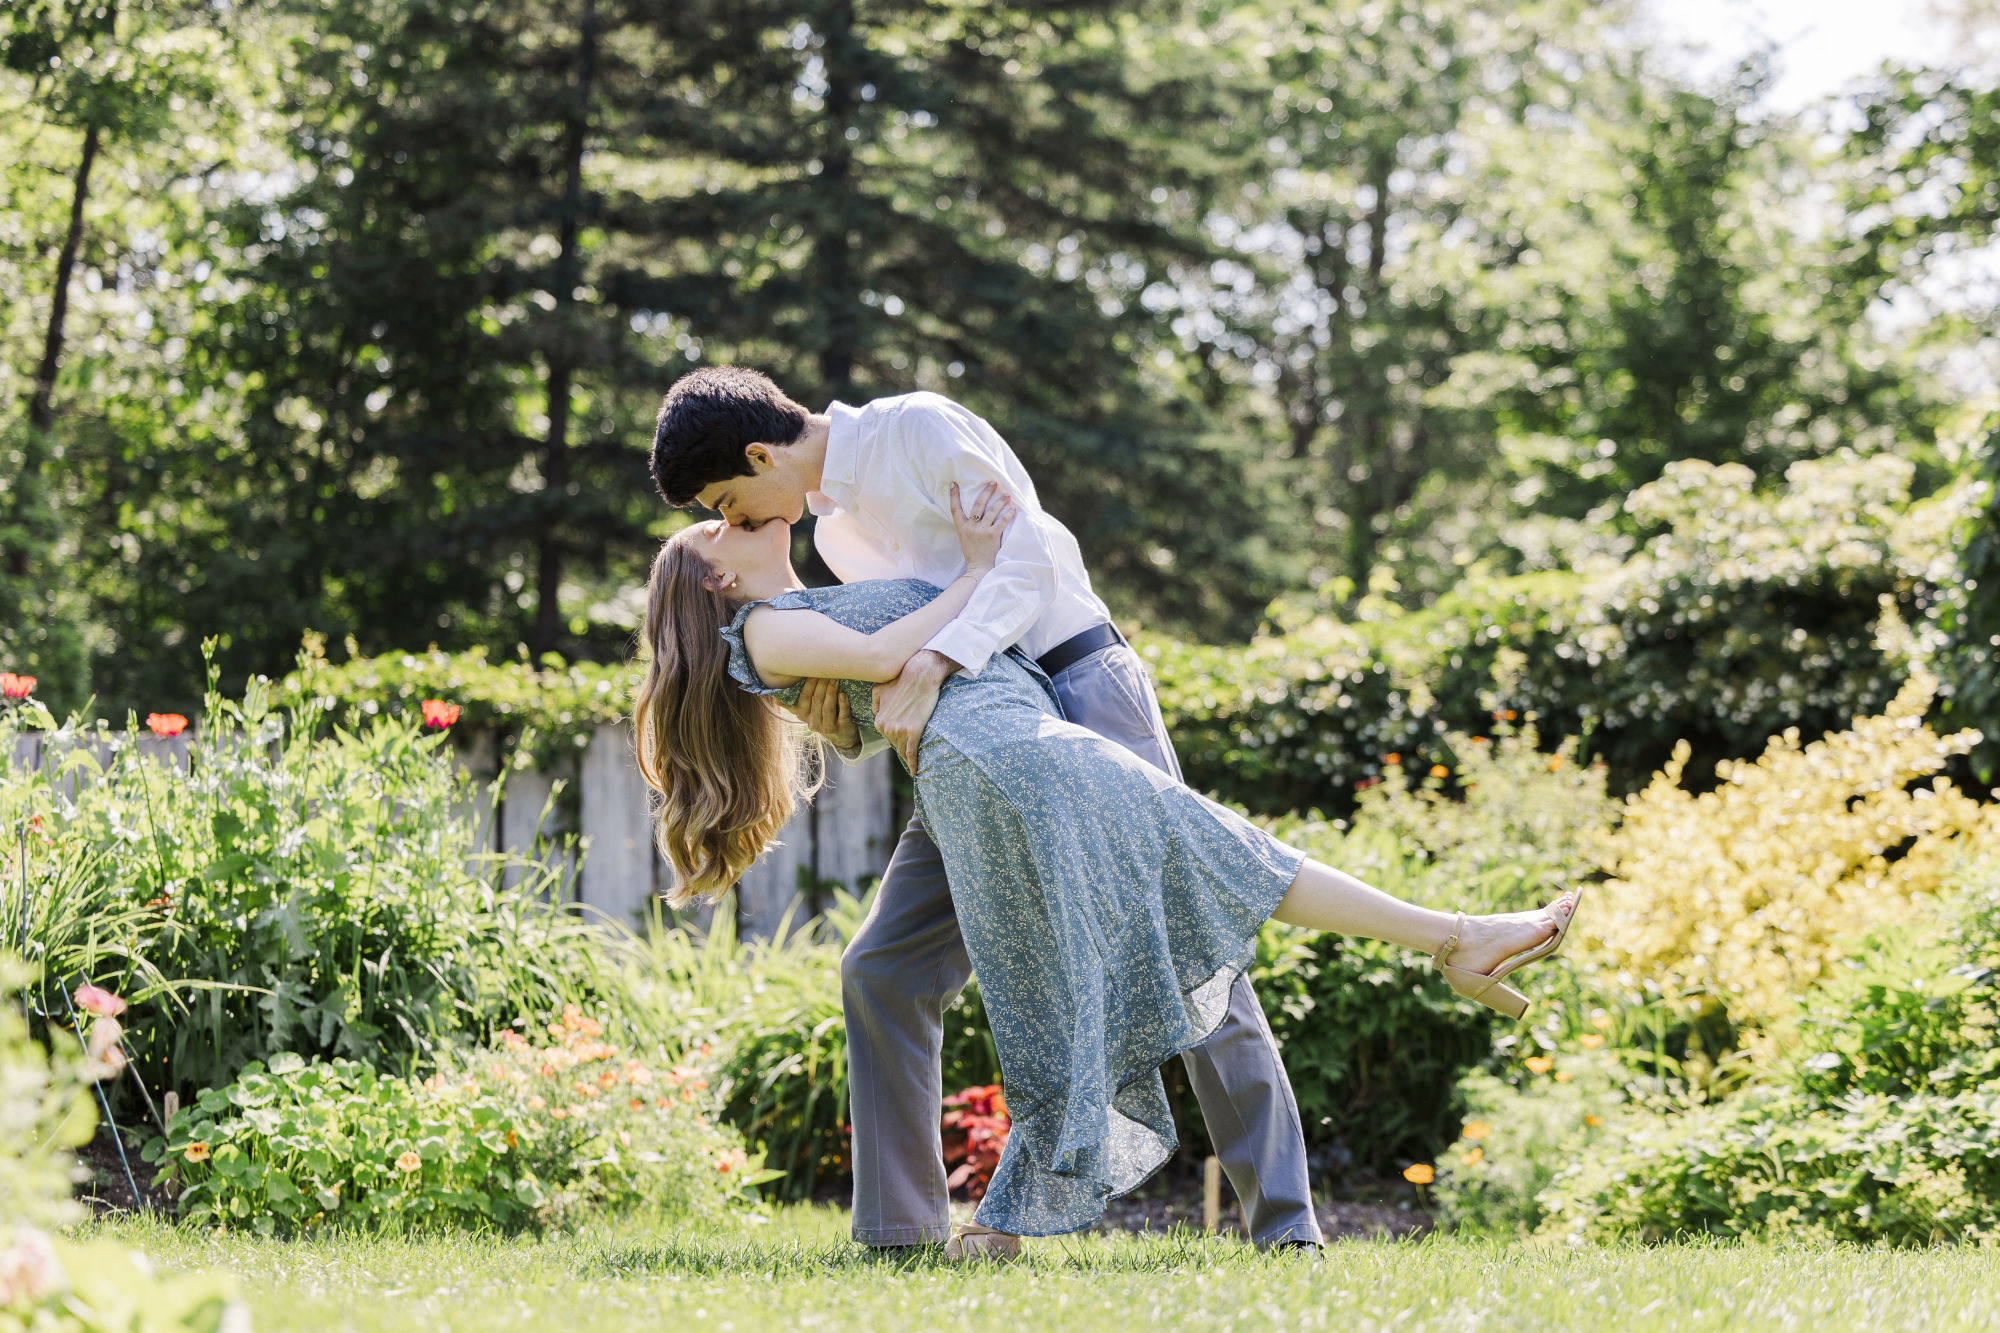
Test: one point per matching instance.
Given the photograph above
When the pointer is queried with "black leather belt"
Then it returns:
(1073, 650)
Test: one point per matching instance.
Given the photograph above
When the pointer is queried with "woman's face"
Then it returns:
(754, 555)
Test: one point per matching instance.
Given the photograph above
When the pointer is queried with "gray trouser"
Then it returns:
(907, 964)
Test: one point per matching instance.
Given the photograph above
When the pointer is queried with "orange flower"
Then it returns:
(1555, 762)
(16, 687)
(1440, 771)
(1600, 1020)
(1475, 1130)
(687, 1095)
(1389, 759)
(607, 1078)
(197, 1152)
(513, 1139)
(1420, 1174)
(559, 1114)
(513, 1040)
(701, 1083)
(638, 1073)
(166, 724)
(705, 1048)
(438, 713)
(733, 1160)
(408, 1162)
(1590, 1041)
(536, 1103)
(1540, 1064)
(1481, 740)
(1473, 1158)
(1593, 1120)
(662, 1103)
(637, 1104)
(1563, 1076)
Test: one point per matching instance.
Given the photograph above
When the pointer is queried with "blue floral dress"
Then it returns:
(1106, 908)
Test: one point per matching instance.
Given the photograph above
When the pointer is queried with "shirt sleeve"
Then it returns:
(943, 444)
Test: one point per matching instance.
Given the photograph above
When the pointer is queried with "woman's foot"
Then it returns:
(970, 1241)
(1485, 942)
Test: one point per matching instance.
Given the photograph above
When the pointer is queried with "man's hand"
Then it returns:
(823, 707)
(903, 706)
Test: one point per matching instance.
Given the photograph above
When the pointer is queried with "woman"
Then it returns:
(1107, 908)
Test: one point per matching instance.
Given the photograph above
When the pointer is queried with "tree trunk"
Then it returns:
(555, 454)
(840, 290)
(41, 404)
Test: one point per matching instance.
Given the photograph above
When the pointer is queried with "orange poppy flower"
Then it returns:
(166, 724)
(1590, 1041)
(1419, 1174)
(1539, 1064)
(438, 713)
(1473, 1158)
(1475, 1130)
(16, 687)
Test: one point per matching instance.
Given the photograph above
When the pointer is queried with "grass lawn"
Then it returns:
(799, 1271)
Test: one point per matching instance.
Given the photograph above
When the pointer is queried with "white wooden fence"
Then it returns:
(843, 837)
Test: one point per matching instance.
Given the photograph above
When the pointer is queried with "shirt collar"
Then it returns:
(840, 468)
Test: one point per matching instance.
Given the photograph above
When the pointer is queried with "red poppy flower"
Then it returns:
(16, 687)
(166, 724)
(439, 714)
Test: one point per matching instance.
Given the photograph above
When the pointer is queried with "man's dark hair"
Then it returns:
(708, 419)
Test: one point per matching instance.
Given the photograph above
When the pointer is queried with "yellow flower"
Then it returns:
(1473, 1158)
(1601, 1021)
(1420, 1174)
(1539, 1064)
(1476, 1130)
(1440, 771)
(1555, 762)
(1590, 1041)
(1563, 1076)
(197, 1152)
(408, 1162)
(1593, 1120)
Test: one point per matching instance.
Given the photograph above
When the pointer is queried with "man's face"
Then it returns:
(771, 492)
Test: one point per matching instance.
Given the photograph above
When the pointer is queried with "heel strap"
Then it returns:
(1451, 940)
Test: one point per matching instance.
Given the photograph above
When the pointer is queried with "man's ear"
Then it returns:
(760, 457)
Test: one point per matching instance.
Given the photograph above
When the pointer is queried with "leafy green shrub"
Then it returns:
(1745, 613)
(552, 705)
(1292, 722)
(520, 1134)
(770, 1011)
(1873, 1118)
(294, 891)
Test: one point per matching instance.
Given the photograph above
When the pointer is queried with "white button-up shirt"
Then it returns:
(884, 507)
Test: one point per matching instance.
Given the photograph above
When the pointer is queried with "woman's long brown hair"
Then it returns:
(728, 768)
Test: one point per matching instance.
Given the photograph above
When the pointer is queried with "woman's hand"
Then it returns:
(981, 525)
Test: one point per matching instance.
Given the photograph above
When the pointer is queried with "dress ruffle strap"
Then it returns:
(740, 669)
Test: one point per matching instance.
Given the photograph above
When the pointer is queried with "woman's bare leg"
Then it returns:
(1322, 898)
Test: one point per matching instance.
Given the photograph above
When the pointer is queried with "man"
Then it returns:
(879, 479)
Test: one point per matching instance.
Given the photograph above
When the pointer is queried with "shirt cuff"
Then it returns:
(963, 644)
(866, 749)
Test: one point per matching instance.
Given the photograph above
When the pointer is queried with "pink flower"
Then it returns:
(16, 687)
(96, 1000)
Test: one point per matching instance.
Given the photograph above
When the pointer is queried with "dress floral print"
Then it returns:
(1106, 908)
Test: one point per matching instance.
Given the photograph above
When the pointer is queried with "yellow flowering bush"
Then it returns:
(1745, 893)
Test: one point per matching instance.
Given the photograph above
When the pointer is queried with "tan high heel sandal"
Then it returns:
(971, 1241)
(1487, 987)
